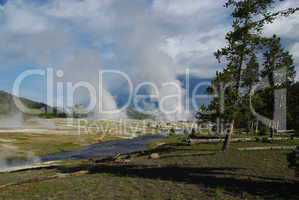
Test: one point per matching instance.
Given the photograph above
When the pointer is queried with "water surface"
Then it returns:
(106, 149)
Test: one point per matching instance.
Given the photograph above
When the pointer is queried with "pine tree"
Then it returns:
(278, 64)
(243, 43)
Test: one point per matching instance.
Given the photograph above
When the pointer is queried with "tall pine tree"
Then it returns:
(240, 54)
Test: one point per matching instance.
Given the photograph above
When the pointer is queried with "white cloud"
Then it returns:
(151, 42)
(23, 20)
(60, 25)
(196, 50)
(287, 29)
(75, 8)
(136, 33)
(189, 8)
(295, 52)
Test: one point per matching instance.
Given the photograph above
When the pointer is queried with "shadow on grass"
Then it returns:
(211, 178)
(188, 155)
(177, 149)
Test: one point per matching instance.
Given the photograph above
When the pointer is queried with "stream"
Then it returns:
(96, 151)
(106, 149)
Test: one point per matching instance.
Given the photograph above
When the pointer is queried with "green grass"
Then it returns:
(44, 144)
(183, 172)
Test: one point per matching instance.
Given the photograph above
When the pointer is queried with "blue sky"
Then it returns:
(3, 2)
(153, 40)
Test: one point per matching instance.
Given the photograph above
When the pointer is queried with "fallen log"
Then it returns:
(218, 140)
(267, 148)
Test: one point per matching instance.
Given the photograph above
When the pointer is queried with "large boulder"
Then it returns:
(154, 156)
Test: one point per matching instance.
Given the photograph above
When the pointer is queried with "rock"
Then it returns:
(154, 156)
(126, 157)
(79, 173)
(123, 161)
(160, 144)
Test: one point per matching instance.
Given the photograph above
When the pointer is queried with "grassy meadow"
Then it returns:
(183, 171)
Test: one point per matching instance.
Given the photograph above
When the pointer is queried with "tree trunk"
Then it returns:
(257, 126)
(228, 137)
(271, 132)
(218, 127)
(251, 128)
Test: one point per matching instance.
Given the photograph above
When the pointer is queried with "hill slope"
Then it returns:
(7, 106)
